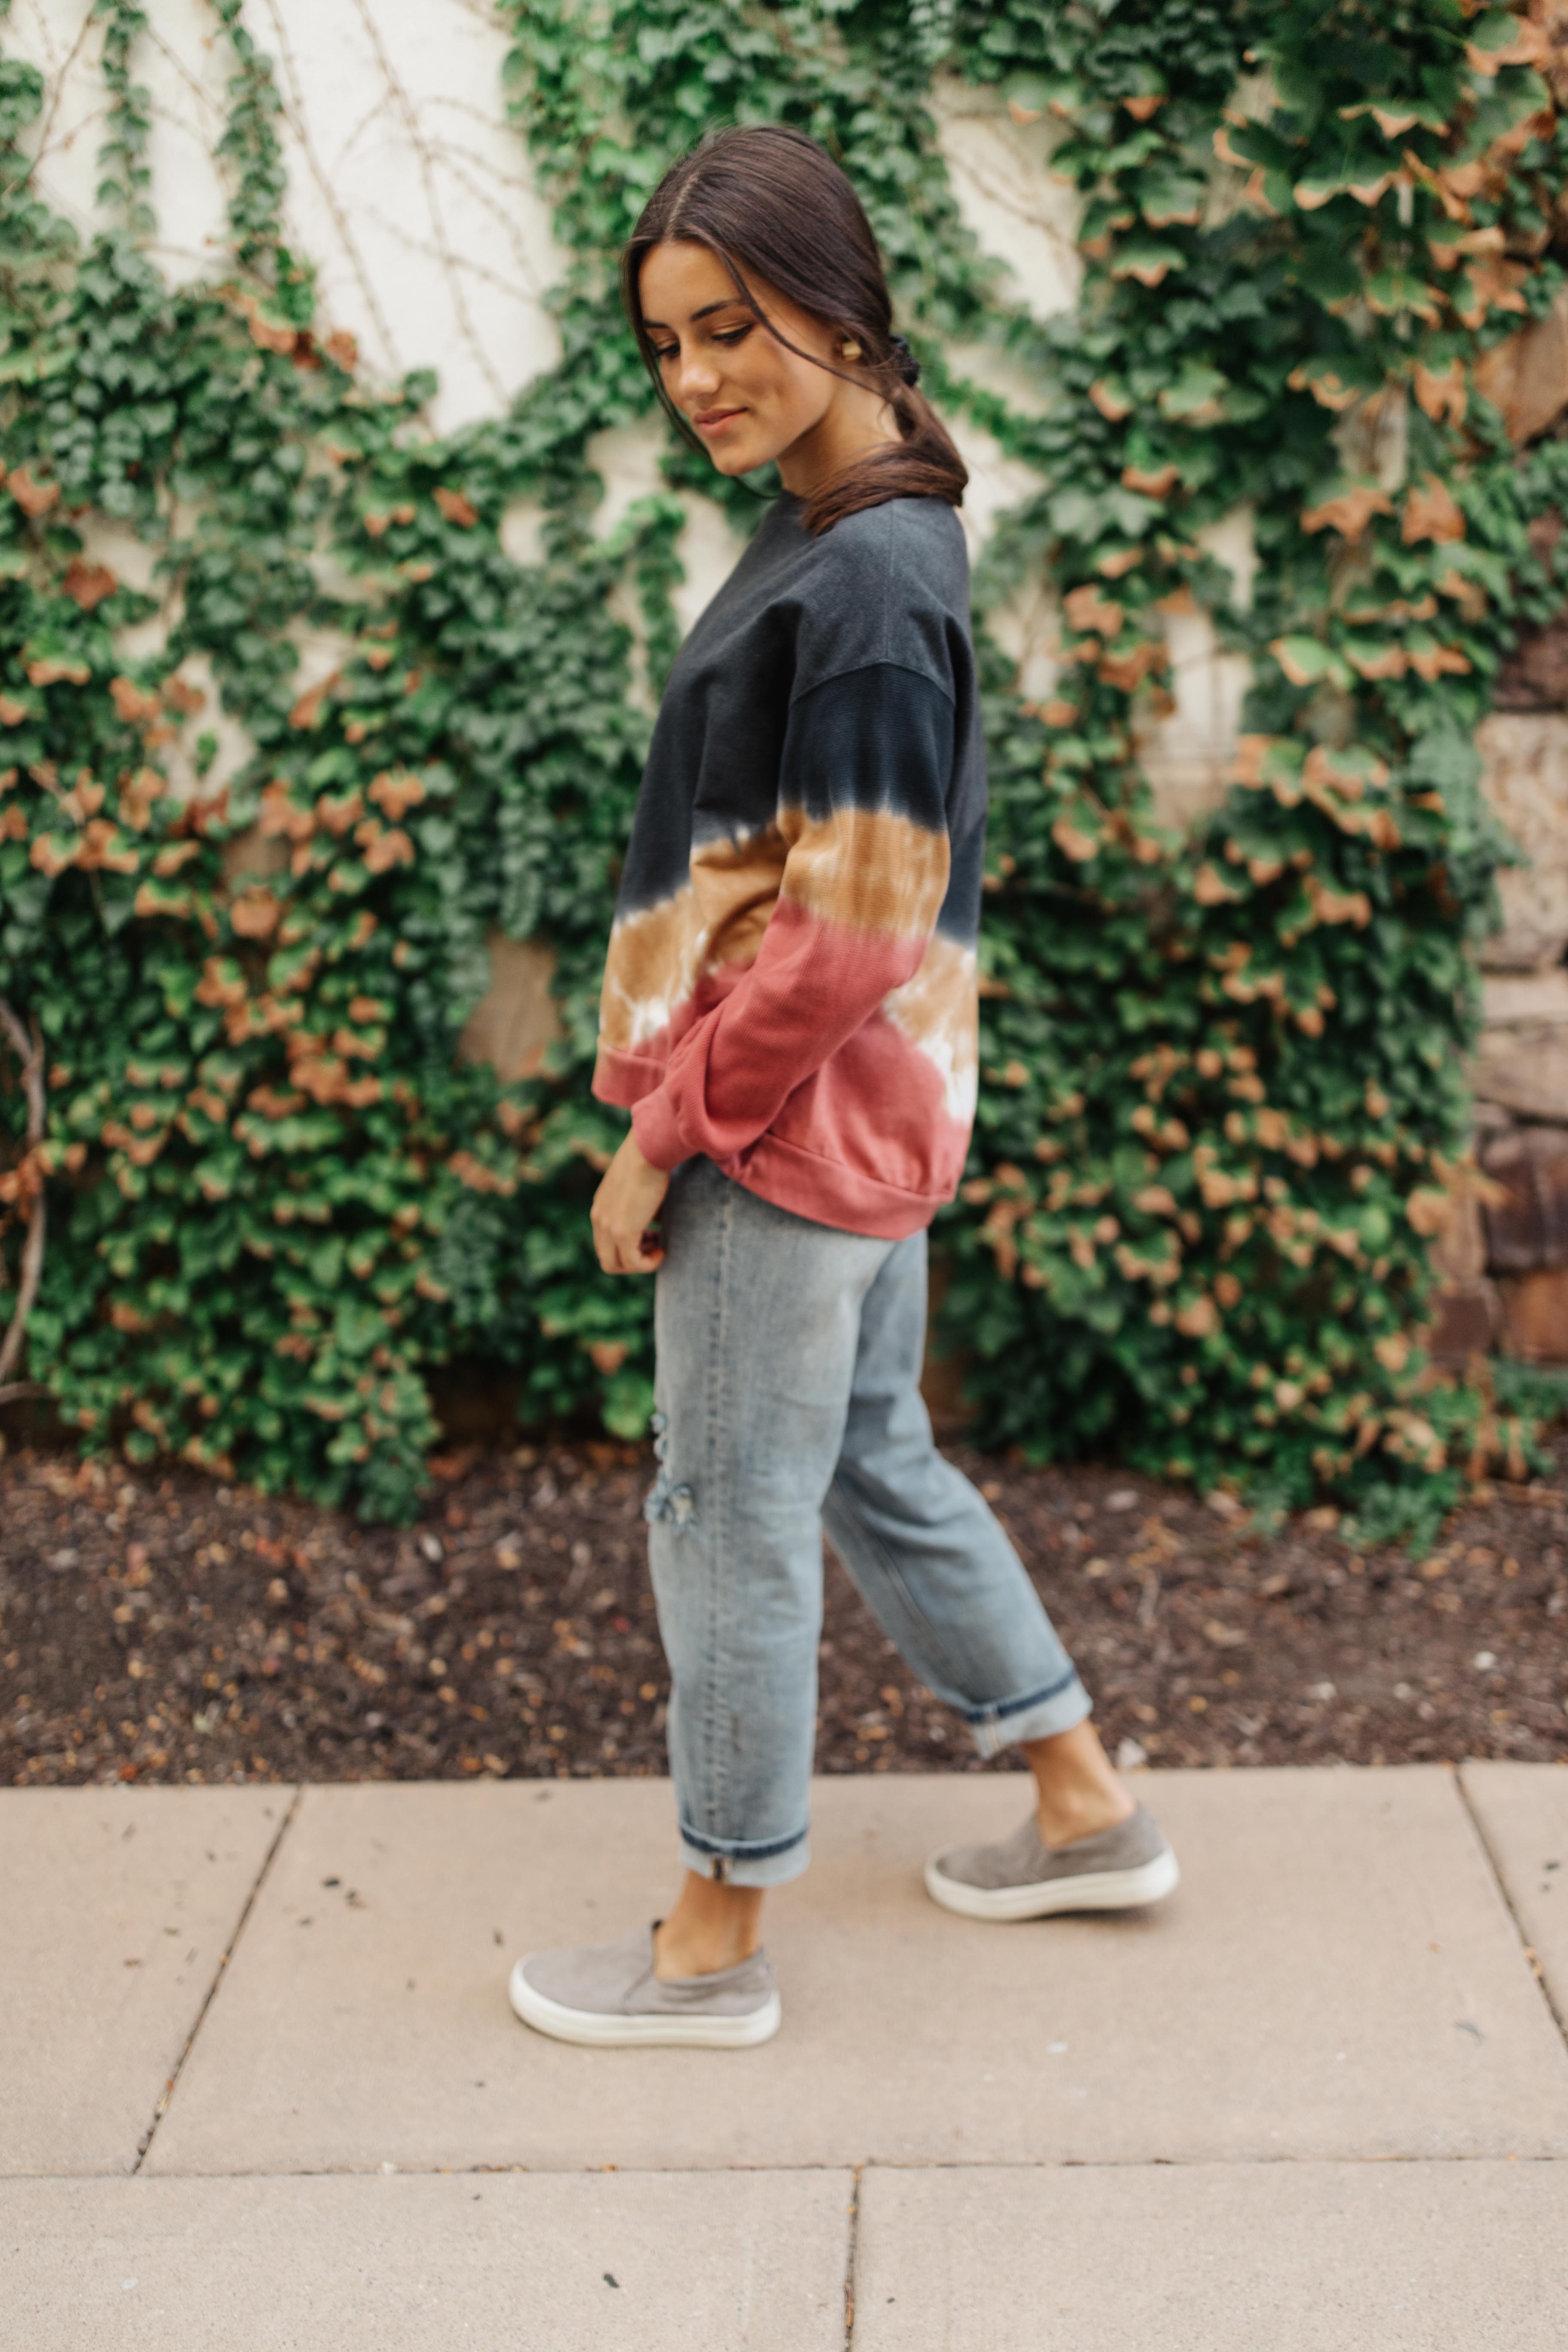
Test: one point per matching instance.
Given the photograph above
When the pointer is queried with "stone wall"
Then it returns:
(1506, 1250)
(1505, 1253)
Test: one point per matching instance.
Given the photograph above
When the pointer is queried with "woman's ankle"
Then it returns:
(1066, 1814)
(713, 1927)
(1077, 1791)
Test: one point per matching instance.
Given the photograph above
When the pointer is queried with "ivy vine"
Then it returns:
(1223, 1075)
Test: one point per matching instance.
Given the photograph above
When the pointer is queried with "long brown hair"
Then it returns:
(770, 200)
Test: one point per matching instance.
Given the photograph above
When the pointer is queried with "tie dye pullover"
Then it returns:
(790, 986)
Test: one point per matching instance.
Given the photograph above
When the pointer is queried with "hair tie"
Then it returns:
(904, 359)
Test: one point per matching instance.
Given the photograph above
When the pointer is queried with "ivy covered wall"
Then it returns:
(1222, 1086)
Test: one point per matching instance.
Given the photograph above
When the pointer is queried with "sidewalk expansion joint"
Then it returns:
(1426, 2158)
(1526, 1946)
(159, 2112)
(850, 2251)
(1428, 2162)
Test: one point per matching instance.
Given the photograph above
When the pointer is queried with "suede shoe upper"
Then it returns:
(1024, 1859)
(617, 1979)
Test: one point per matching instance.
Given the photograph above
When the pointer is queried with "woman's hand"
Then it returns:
(625, 1205)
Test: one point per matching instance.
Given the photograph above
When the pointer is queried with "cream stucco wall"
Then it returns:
(415, 201)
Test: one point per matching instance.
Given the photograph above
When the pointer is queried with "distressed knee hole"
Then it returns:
(668, 1499)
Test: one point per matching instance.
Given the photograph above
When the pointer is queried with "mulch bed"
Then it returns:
(163, 1628)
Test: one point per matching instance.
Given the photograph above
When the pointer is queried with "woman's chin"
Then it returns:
(743, 458)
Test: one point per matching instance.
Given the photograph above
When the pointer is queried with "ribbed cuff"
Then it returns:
(658, 1136)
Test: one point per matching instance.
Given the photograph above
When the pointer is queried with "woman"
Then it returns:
(789, 1011)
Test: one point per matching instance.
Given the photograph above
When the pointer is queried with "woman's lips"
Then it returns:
(715, 419)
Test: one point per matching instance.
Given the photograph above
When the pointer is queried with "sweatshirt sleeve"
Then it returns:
(862, 814)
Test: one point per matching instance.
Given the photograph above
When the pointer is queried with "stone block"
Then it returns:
(1522, 1809)
(1459, 1252)
(1525, 1070)
(1526, 375)
(1521, 1062)
(1535, 1315)
(517, 1017)
(381, 2262)
(1464, 1320)
(1213, 2258)
(1537, 1000)
(1525, 779)
(1526, 1210)
(120, 1905)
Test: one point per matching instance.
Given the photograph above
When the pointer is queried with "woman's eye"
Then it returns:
(663, 351)
(734, 334)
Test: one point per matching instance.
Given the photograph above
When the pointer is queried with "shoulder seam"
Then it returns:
(877, 661)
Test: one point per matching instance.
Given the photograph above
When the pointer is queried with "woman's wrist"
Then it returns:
(657, 1133)
(624, 1206)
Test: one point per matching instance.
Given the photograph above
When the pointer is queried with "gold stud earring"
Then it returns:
(851, 350)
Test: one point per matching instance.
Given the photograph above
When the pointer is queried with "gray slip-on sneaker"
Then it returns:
(1021, 1877)
(607, 1995)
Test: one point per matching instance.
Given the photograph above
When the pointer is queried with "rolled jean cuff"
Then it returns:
(1038, 1715)
(739, 1864)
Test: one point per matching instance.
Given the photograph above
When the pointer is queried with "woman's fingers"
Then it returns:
(625, 1253)
(626, 1202)
(636, 1258)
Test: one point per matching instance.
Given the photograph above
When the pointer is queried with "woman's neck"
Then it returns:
(856, 422)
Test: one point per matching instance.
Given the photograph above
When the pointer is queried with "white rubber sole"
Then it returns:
(1091, 1890)
(601, 2030)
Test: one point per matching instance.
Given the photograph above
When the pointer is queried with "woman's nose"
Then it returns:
(697, 378)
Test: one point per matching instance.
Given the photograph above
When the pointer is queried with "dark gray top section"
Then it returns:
(871, 621)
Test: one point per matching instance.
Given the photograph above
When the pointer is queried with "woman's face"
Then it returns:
(749, 398)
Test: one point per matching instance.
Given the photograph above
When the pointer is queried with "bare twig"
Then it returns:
(29, 1051)
(404, 108)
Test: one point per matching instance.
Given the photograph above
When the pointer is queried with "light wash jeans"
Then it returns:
(787, 1399)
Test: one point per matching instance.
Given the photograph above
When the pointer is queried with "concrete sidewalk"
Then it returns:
(259, 2085)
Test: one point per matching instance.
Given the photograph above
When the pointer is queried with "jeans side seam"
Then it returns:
(718, 1774)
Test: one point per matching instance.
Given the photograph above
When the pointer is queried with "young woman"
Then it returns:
(789, 1009)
